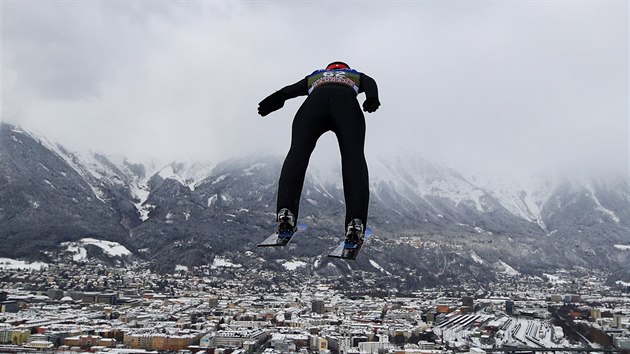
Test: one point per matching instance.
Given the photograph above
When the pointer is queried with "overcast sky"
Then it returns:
(514, 86)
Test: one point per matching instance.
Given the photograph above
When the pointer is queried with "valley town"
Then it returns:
(90, 307)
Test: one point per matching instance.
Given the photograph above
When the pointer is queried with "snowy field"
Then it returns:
(8, 263)
(113, 249)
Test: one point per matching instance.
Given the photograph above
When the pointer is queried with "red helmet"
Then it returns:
(337, 65)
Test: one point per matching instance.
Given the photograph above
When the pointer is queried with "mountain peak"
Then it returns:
(190, 213)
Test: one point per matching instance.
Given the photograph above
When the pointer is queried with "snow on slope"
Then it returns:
(523, 199)
(169, 173)
(506, 268)
(600, 207)
(73, 161)
(476, 258)
(8, 263)
(293, 265)
(220, 262)
(110, 248)
(379, 267)
(187, 173)
(98, 167)
(424, 178)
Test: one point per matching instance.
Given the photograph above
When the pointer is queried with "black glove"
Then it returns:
(273, 102)
(371, 104)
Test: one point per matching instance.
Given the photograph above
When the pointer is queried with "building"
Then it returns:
(9, 306)
(213, 301)
(39, 345)
(383, 344)
(596, 313)
(442, 309)
(622, 343)
(468, 301)
(237, 338)
(99, 298)
(20, 336)
(425, 345)
(88, 341)
(318, 306)
(509, 307)
(319, 344)
(616, 323)
(5, 333)
(55, 294)
(430, 316)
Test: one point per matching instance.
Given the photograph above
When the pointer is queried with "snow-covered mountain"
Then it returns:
(432, 224)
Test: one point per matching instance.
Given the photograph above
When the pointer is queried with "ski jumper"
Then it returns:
(331, 105)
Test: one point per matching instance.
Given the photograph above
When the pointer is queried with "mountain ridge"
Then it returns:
(195, 214)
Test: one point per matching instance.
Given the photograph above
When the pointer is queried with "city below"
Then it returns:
(89, 307)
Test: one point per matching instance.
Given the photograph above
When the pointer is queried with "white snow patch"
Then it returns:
(425, 179)
(220, 178)
(169, 218)
(98, 194)
(80, 253)
(223, 262)
(623, 283)
(554, 279)
(213, 199)
(187, 174)
(603, 210)
(312, 201)
(476, 258)
(145, 210)
(141, 192)
(250, 171)
(168, 173)
(378, 266)
(623, 247)
(507, 269)
(110, 248)
(8, 263)
(293, 265)
(193, 174)
(49, 183)
(524, 197)
(87, 166)
(181, 268)
(187, 215)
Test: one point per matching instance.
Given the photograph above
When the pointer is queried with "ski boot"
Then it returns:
(354, 234)
(286, 224)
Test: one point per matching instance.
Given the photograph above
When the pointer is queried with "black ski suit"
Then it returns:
(331, 105)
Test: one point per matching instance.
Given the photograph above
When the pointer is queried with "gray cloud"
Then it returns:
(510, 87)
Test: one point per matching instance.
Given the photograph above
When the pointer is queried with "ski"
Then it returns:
(281, 239)
(350, 250)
